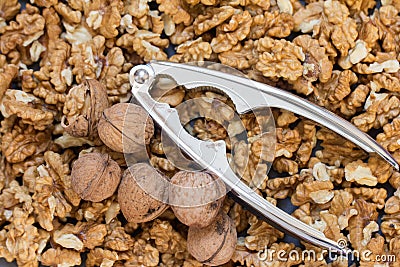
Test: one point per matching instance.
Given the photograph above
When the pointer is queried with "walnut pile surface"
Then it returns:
(340, 54)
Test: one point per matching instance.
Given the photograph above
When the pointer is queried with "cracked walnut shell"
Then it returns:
(215, 244)
(126, 127)
(83, 108)
(139, 194)
(185, 186)
(95, 176)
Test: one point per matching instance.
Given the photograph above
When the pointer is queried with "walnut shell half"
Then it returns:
(204, 191)
(95, 176)
(139, 184)
(83, 108)
(215, 244)
(126, 128)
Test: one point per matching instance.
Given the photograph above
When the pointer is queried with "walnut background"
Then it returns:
(341, 54)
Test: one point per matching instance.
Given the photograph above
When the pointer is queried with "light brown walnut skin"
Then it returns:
(215, 244)
(200, 216)
(95, 176)
(136, 204)
(126, 127)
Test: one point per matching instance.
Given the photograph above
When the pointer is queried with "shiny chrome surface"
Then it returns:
(242, 93)
(212, 155)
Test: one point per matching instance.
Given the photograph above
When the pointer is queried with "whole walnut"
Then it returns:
(95, 176)
(215, 244)
(126, 127)
(142, 193)
(83, 107)
(196, 197)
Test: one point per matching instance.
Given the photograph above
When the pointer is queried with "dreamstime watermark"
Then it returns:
(270, 255)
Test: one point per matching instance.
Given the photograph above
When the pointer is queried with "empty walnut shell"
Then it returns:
(215, 244)
(126, 127)
(139, 194)
(202, 187)
(95, 176)
(83, 108)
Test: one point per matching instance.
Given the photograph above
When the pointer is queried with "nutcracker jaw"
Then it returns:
(246, 95)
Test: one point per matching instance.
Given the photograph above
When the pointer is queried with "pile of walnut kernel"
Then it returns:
(343, 55)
